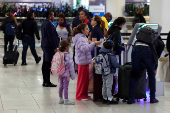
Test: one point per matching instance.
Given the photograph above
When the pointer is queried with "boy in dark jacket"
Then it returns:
(108, 79)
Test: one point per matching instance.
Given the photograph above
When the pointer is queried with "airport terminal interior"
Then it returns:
(21, 89)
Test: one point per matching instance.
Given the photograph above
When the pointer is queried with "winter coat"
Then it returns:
(69, 65)
(142, 19)
(115, 36)
(82, 49)
(30, 28)
(113, 61)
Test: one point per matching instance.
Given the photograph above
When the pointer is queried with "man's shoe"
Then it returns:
(130, 101)
(154, 100)
(24, 64)
(112, 102)
(104, 101)
(50, 85)
(43, 84)
(39, 59)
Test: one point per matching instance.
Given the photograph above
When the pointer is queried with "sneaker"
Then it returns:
(39, 59)
(104, 101)
(67, 102)
(154, 100)
(85, 99)
(130, 101)
(112, 102)
(24, 64)
(61, 101)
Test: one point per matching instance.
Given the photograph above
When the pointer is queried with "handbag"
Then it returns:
(163, 70)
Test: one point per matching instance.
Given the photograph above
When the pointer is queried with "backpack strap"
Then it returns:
(106, 60)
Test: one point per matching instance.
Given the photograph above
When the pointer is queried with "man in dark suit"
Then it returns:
(49, 44)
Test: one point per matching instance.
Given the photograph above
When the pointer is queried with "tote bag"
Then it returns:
(163, 71)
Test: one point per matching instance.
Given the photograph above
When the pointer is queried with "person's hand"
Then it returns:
(55, 50)
(97, 42)
(72, 77)
(39, 41)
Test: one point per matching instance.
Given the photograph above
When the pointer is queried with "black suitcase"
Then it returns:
(11, 57)
(123, 83)
(97, 87)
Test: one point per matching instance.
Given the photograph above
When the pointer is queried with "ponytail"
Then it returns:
(78, 29)
(103, 27)
(63, 44)
(75, 31)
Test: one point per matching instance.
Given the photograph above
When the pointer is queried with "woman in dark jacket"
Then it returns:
(49, 45)
(115, 35)
(9, 37)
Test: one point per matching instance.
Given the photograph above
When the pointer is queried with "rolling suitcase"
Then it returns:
(97, 84)
(123, 83)
(11, 57)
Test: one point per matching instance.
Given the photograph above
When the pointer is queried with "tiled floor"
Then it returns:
(21, 92)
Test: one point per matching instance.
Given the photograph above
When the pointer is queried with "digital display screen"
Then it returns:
(81, 3)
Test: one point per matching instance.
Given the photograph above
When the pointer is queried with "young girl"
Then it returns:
(64, 80)
(83, 58)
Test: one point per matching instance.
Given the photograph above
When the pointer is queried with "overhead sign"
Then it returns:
(97, 10)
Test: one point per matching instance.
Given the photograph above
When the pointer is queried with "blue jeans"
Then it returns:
(28, 41)
(142, 54)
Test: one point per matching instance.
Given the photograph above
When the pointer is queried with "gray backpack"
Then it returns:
(147, 35)
(102, 65)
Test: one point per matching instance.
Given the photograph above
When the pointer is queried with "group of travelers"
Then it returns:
(86, 34)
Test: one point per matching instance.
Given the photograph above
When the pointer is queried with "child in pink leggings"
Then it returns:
(64, 79)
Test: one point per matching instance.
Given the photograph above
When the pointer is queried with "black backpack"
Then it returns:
(19, 32)
(135, 20)
(10, 29)
(147, 35)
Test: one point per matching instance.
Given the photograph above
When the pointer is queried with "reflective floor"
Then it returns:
(21, 92)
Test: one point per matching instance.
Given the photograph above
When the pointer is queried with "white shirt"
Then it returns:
(63, 33)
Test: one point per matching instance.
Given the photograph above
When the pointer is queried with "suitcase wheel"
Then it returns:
(117, 99)
(94, 99)
(144, 99)
(124, 100)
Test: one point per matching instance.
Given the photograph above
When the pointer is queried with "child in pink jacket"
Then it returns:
(69, 73)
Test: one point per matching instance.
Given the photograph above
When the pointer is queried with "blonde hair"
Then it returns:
(140, 11)
(12, 17)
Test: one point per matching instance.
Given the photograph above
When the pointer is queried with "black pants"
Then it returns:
(28, 41)
(46, 72)
(7, 39)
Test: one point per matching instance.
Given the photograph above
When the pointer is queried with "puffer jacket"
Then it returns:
(69, 65)
(82, 49)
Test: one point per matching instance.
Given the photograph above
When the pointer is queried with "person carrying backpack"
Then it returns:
(109, 65)
(146, 50)
(138, 18)
(8, 27)
(64, 69)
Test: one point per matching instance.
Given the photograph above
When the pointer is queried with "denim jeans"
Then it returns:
(142, 54)
(28, 41)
